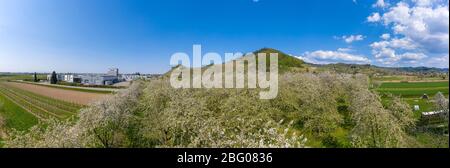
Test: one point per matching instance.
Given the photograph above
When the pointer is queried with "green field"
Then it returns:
(40, 106)
(414, 85)
(22, 109)
(414, 89)
(28, 77)
(411, 93)
(399, 78)
(15, 116)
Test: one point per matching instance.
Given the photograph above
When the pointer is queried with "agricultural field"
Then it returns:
(413, 89)
(410, 78)
(73, 96)
(412, 93)
(41, 107)
(23, 105)
(74, 88)
(21, 109)
(15, 116)
(25, 77)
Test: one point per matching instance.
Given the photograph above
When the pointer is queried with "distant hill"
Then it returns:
(372, 69)
(421, 69)
(285, 61)
(293, 64)
(351, 68)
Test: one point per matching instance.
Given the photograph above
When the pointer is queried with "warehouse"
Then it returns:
(98, 79)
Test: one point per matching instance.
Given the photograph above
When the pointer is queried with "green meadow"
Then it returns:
(413, 89)
(412, 92)
(15, 116)
(414, 85)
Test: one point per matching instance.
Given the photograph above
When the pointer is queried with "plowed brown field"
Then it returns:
(83, 98)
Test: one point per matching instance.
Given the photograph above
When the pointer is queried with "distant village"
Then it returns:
(109, 78)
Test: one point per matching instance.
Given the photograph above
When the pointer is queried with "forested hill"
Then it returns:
(372, 69)
(290, 63)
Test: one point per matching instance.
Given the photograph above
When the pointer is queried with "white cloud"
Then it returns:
(426, 25)
(397, 51)
(387, 56)
(441, 61)
(352, 38)
(380, 4)
(425, 3)
(421, 28)
(402, 43)
(325, 57)
(345, 50)
(395, 43)
(412, 56)
(385, 36)
(375, 17)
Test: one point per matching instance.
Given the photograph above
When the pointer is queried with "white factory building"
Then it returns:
(111, 77)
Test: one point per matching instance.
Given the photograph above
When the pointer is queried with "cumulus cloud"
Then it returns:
(441, 61)
(345, 50)
(375, 17)
(385, 36)
(426, 25)
(396, 51)
(352, 38)
(421, 27)
(426, 3)
(326, 57)
(412, 56)
(380, 4)
(402, 43)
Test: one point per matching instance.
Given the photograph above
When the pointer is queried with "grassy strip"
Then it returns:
(16, 117)
(38, 112)
(63, 83)
(414, 85)
(22, 77)
(407, 89)
(414, 93)
(73, 89)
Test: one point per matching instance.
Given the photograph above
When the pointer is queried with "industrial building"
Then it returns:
(111, 77)
(60, 77)
(98, 79)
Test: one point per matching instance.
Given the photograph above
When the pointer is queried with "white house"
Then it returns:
(60, 77)
(68, 78)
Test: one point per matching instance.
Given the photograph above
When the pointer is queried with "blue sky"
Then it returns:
(141, 35)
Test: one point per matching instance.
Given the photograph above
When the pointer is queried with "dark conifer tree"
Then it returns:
(53, 79)
(35, 77)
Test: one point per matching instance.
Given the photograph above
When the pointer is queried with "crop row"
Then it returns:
(42, 108)
(67, 106)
